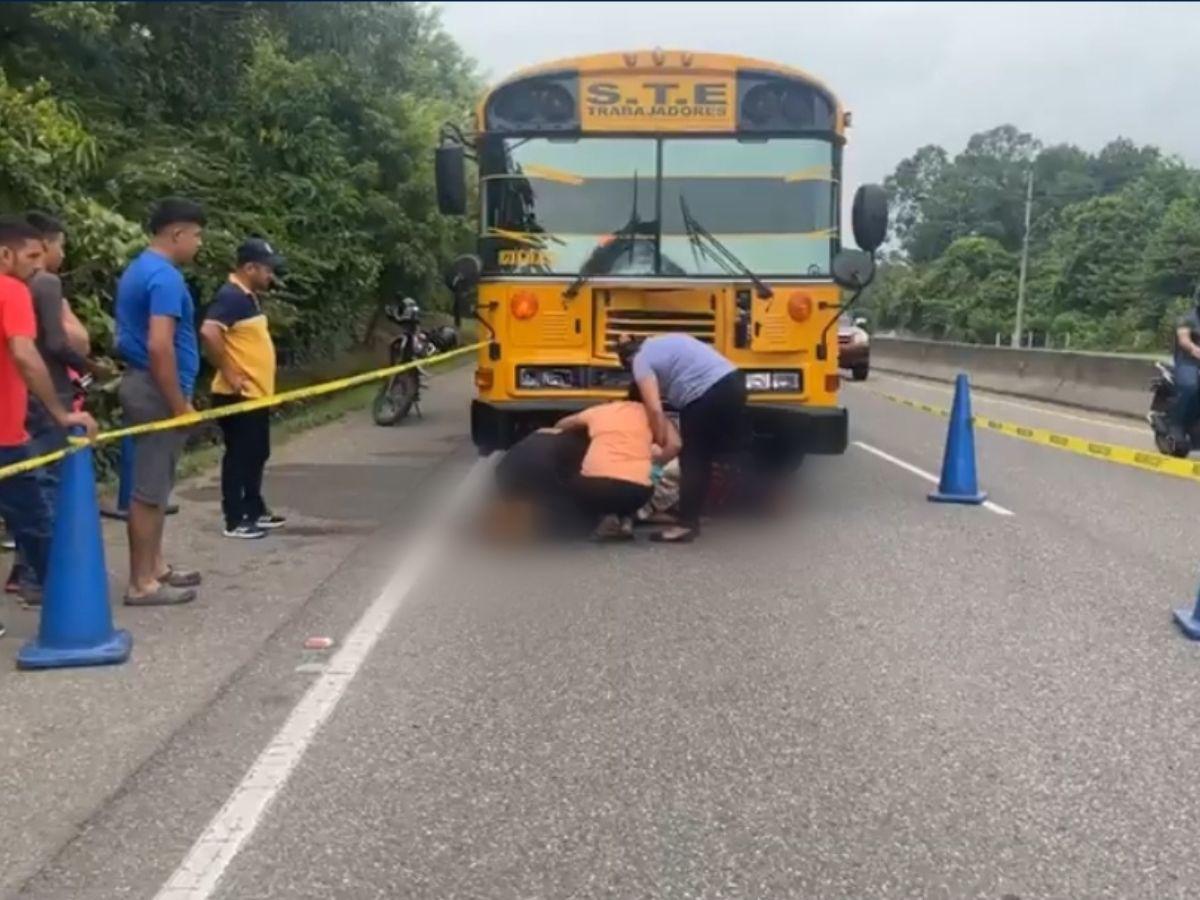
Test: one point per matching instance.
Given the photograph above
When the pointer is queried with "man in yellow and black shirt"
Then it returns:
(238, 343)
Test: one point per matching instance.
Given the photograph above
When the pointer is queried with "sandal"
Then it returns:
(163, 595)
(180, 578)
(686, 536)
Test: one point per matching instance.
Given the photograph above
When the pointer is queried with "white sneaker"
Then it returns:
(247, 531)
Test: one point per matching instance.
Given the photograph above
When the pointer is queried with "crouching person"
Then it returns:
(614, 481)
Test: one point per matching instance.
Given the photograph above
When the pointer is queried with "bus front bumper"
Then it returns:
(782, 430)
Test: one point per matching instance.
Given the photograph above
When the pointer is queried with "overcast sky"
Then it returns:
(912, 73)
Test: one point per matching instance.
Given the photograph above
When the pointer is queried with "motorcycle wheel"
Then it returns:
(395, 399)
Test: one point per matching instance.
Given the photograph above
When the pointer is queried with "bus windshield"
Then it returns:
(617, 205)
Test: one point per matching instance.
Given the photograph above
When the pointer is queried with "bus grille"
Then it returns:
(700, 324)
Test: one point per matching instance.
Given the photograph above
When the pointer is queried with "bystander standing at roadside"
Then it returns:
(22, 371)
(238, 342)
(156, 337)
(59, 353)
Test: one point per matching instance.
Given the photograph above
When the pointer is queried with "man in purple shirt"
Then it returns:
(710, 395)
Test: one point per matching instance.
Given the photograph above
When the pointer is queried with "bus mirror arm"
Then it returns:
(451, 134)
(860, 282)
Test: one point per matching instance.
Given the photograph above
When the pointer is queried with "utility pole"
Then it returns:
(1016, 335)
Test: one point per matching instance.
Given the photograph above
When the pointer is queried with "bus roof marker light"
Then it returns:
(658, 56)
(630, 59)
(686, 59)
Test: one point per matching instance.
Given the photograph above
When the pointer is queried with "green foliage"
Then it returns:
(309, 123)
(1114, 242)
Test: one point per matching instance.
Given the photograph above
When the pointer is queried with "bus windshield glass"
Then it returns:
(617, 205)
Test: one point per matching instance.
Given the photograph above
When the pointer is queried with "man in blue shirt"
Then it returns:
(156, 337)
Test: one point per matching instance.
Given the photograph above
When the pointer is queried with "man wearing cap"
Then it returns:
(238, 343)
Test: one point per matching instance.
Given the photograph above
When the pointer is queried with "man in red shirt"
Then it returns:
(22, 370)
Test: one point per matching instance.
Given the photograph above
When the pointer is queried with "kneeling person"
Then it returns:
(614, 481)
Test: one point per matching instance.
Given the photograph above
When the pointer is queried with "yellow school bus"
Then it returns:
(650, 192)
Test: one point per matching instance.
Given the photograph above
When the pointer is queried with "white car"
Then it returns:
(854, 347)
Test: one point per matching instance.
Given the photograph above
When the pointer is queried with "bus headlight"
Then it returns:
(781, 382)
(536, 378)
(785, 381)
(758, 381)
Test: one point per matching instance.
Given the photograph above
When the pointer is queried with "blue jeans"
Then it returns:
(1187, 395)
(47, 440)
(23, 507)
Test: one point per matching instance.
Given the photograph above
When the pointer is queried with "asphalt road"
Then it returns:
(872, 696)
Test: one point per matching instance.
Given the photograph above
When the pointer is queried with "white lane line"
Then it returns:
(980, 396)
(206, 861)
(928, 476)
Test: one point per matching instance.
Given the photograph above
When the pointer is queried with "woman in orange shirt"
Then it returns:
(614, 480)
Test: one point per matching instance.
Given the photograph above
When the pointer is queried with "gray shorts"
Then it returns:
(156, 455)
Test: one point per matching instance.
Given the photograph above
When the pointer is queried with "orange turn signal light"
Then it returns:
(523, 305)
(832, 383)
(484, 379)
(800, 307)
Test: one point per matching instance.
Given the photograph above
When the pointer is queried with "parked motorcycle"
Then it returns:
(401, 393)
(1162, 399)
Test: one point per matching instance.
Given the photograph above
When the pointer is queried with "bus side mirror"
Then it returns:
(870, 217)
(462, 278)
(853, 269)
(450, 179)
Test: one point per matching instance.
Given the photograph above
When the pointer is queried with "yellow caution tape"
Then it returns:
(208, 415)
(1113, 453)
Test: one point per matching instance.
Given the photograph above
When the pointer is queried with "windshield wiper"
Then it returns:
(722, 254)
(626, 234)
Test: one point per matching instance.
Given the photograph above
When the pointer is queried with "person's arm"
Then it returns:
(168, 303)
(666, 452)
(212, 334)
(1183, 334)
(33, 371)
(76, 333)
(48, 308)
(164, 368)
(659, 423)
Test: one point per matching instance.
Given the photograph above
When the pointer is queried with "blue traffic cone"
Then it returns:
(76, 627)
(1189, 620)
(958, 483)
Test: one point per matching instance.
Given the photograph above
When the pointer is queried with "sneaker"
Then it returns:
(3, 630)
(7, 543)
(245, 532)
(269, 521)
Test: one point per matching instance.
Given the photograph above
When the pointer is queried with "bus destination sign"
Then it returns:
(653, 102)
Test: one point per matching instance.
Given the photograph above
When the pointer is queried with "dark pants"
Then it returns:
(23, 509)
(1187, 393)
(247, 449)
(598, 497)
(709, 426)
(43, 438)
